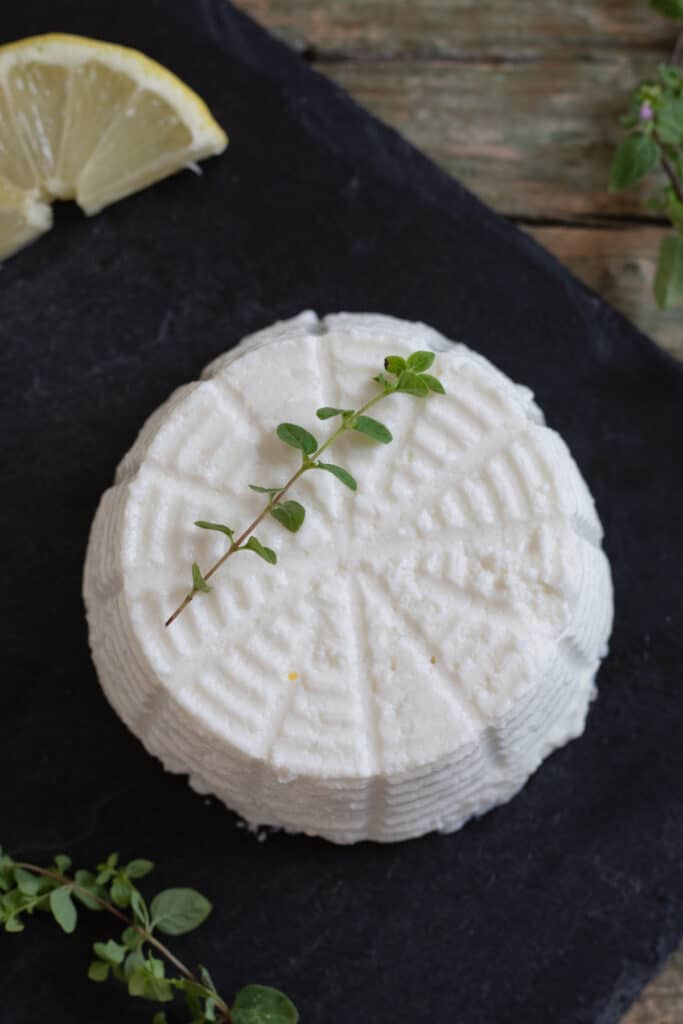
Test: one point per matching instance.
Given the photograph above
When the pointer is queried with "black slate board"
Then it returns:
(555, 908)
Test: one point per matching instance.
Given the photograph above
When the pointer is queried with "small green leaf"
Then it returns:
(120, 892)
(272, 491)
(177, 911)
(199, 584)
(194, 999)
(139, 868)
(669, 273)
(267, 554)
(635, 157)
(394, 364)
(63, 909)
(88, 889)
(207, 980)
(381, 379)
(297, 437)
(134, 960)
(131, 938)
(13, 924)
(373, 428)
(290, 513)
(420, 361)
(412, 383)
(670, 122)
(669, 8)
(111, 952)
(160, 1018)
(433, 383)
(63, 862)
(137, 905)
(339, 472)
(328, 411)
(98, 971)
(257, 1004)
(218, 527)
(28, 884)
(146, 983)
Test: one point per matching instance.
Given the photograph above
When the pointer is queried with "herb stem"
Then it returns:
(667, 166)
(146, 935)
(308, 463)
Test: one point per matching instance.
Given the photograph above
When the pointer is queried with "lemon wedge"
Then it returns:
(90, 121)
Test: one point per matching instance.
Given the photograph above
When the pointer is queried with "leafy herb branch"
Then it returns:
(132, 959)
(408, 376)
(654, 121)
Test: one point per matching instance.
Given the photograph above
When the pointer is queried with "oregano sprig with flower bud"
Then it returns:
(655, 142)
(407, 376)
(138, 958)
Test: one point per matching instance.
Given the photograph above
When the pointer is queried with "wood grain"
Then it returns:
(532, 140)
(461, 29)
(619, 264)
(520, 100)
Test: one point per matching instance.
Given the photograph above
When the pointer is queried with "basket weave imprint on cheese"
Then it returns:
(420, 646)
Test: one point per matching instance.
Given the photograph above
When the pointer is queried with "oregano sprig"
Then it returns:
(138, 958)
(654, 122)
(408, 376)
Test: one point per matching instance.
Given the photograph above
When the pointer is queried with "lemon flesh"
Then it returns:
(90, 121)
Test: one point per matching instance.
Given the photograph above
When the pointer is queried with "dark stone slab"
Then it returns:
(555, 908)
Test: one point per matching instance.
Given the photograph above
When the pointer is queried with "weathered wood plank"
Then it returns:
(533, 140)
(619, 264)
(662, 1001)
(496, 29)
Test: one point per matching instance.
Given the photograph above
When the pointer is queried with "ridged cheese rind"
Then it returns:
(420, 647)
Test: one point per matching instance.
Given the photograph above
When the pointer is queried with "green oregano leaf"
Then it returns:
(636, 156)
(328, 411)
(272, 491)
(111, 952)
(160, 1018)
(258, 1004)
(413, 384)
(267, 554)
(139, 868)
(133, 960)
(420, 361)
(669, 273)
(394, 364)
(63, 909)
(373, 428)
(199, 584)
(290, 513)
(131, 938)
(98, 971)
(120, 891)
(218, 527)
(177, 911)
(669, 8)
(62, 862)
(297, 437)
(433, 383)
(28, 884)
(339, 472)
(88, 890)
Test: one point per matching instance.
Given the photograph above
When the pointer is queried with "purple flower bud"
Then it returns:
(646, 112)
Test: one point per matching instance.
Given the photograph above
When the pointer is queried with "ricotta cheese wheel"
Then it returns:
(420, 646)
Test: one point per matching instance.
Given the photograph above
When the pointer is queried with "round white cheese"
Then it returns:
(419, 647)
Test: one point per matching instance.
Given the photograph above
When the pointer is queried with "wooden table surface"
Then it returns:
(520, 100)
